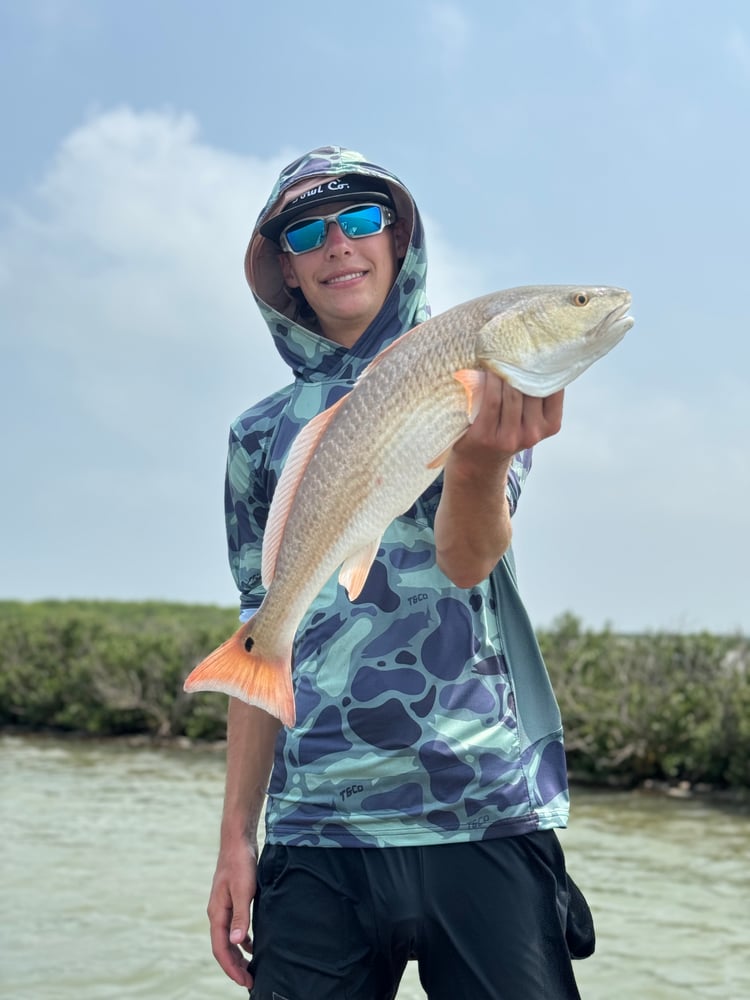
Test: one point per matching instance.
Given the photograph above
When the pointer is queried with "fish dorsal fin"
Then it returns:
(356, 567)
(473, 382)
(297, 461)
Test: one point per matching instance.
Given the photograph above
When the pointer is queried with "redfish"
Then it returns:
(363, 462)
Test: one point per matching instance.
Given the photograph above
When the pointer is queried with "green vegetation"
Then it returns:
(106, 669)
(657, 706)
(664, 707)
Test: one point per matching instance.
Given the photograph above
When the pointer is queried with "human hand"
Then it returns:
(472, 523)
(233, 889)
(507, 422)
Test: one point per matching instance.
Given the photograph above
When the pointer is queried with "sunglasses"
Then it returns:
(355, 222)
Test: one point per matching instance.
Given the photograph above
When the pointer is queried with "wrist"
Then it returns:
(461, 470)
(239, 830)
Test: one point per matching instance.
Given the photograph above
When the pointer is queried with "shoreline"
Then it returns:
(686, 790)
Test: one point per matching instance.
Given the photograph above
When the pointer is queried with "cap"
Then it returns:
(357, 187)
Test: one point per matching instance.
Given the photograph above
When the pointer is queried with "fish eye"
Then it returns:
(580, 298)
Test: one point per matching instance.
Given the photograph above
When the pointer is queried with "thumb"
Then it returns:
(238, 929)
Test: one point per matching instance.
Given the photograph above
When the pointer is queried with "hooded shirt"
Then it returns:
(424, 712)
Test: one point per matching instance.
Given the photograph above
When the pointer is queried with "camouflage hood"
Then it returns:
(311, 356)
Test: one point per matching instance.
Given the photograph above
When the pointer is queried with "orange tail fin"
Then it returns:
(247, 675)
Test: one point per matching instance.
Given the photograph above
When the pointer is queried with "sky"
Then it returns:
(557, 141)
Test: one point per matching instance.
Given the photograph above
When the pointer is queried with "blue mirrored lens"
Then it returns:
(306, 235)
(365, 221)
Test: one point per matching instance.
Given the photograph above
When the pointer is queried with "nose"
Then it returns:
(336, 241)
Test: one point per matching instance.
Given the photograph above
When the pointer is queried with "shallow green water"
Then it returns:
(108, 852)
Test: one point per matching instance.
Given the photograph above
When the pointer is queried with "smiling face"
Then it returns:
(346, 281)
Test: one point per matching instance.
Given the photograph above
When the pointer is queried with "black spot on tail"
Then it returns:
(249, 643)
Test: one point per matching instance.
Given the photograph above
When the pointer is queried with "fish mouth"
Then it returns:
(616, 323)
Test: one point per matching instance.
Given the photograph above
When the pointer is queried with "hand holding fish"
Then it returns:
(508, 422)
(472, 526)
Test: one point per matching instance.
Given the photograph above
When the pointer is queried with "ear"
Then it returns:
(287, 271)
(401, 237)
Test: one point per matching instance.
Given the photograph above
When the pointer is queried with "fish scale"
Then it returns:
(363, 462)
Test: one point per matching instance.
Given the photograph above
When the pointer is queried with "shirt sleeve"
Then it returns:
(519, 470)
(246, 510)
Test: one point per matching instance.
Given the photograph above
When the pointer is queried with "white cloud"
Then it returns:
(127, 262)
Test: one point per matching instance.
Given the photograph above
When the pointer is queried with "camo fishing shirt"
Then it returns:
(424, 712)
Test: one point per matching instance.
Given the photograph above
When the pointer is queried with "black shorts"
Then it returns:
(485, 920)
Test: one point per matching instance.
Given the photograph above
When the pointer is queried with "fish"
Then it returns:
(364, 461)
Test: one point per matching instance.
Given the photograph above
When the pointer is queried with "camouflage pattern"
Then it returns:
(424, 712)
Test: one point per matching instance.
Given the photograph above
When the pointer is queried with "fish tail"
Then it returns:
(238, 668)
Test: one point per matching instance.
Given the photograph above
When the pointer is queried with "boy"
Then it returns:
(411, 810)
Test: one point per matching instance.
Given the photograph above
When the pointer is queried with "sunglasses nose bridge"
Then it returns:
(334, 234)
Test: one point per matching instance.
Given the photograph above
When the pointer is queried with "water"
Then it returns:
(109, 851)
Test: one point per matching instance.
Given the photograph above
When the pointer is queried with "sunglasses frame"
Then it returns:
(387, 218)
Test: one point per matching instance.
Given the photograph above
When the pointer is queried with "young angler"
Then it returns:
(411, 810)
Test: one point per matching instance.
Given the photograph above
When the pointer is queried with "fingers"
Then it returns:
(227, 951)
(229, 926)
(540, 418)
(509, 421)
(553, 410)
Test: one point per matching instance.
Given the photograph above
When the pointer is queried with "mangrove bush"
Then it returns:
(668, 707)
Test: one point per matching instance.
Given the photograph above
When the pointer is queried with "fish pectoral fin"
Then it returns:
(473, 382)
(294, 468)
(256, 679)
(356, 568)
